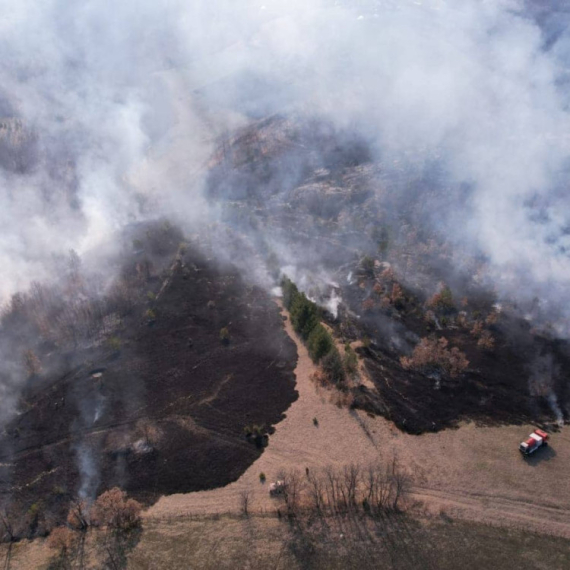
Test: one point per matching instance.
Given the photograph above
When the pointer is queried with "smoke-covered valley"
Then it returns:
(111, 119)
(164, 164)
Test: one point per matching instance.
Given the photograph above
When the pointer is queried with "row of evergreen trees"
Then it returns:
(306, 320)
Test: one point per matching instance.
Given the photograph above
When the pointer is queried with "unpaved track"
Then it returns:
(473, 473)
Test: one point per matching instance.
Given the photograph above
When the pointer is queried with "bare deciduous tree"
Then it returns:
(244, 501)
(400, 482)
(78, 515)
(292, 491)
(6, 526)
(315, 485)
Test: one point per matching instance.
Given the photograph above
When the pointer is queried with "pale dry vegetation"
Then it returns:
(433, 354)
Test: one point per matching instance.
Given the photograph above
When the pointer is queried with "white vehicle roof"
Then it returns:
(536, 437)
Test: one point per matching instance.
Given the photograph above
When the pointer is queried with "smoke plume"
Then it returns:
(110, 112)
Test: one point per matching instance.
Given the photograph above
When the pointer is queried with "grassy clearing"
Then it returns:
(391, 542)
(394, 541)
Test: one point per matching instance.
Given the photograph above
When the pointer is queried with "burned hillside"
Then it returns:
(160, 404)
(360, 238)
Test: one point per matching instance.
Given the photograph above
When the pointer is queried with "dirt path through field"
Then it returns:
(475, 473)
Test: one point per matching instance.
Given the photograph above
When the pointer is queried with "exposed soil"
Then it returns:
(166, 413)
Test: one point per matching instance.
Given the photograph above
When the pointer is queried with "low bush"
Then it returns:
(225, 335)
(350, 360)
(114, 343)
(332, 366)
(443, 300)
(62, 539)
(115, 510)
(432, 353)
(319, 343)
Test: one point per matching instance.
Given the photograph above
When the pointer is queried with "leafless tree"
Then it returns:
(78, 516)
(315, 485)
(400, 484)
(351, 480)
(6, 526)
(331, 486)
(292, 491)
(245, 499)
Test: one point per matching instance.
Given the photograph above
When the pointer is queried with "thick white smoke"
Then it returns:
(120, 102)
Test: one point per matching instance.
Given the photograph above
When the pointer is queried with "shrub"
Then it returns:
(150, 314)
(315, 422)
(443, 300)
(256, 434)
(115, 510)
(150, 296)
(432, 353)
(225, 335)
(319, 343)
(477, 329)
(262, 477)
(492, 318)
(114, 343)
(350, 360)
(332, 366)
(486, 341)
(367, 265)
(61, 539)
(368, 305)
(397, 296)
(58, 491)
(32, 363)
(34, 510)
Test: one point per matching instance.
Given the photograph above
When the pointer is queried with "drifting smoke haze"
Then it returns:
(119, 105)
(116, 107)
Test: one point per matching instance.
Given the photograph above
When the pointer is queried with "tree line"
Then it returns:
(306, 320)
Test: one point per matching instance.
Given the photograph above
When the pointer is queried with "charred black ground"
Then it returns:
(163, 408)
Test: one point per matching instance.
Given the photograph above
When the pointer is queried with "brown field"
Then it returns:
(396, 542)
